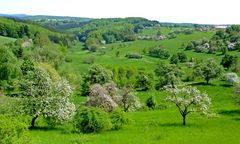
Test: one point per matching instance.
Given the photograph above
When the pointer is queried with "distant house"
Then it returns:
(219, 27)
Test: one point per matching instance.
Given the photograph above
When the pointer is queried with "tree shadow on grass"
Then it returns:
(226, 85)
(237, 119)
(230, 112)
(220, 54)
(202, 83)
(46, 129)
(177, 125)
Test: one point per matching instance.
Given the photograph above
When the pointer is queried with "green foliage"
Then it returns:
(151, 103)
(9, 66)
(179, 57)
(207, 70)
(134, 56)
(12, 131)
(174, 59)
(17, 50)
(144, 81)
(159, 52)
(182, 57)
(124, 76)
(190, 46)
(118, 119)
(89, 60)
(27, 66)
(92, 44)
(91, 120)
(14, 31)
(41, 39)
(168, 75)
(229, 61)
(51, 54)
(96, 74)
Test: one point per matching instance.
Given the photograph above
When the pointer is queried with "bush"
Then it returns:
(91, 120)
(182, 57)
(89, 60)
(134, 56)
(159, 52)
(118, 119)
(144, 81)
(12, 131)
(151, 103)
(96, 74)
(190, 46)
(68, 59)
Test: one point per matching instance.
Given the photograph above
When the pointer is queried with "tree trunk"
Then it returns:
(33, 121)
(184, 120)
(207, 80)
(172, 83)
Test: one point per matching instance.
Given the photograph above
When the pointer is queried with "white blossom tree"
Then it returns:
(232, 78)
(189, 99)
(44, 97)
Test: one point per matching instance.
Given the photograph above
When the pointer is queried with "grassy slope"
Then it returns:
(109, 59)
(4, 40)
(160, 126)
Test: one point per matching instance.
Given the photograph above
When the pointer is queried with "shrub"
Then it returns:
(174, 59)
(190, 46)
(91, 120)
(68, 59)
(118, 119)
(144, 81)
(134, 56)
(12, 131)
(151, 103)
(159, 52)
(89, 60)
(179, 57)
(228, 61)
(182, 57)
(96, 74)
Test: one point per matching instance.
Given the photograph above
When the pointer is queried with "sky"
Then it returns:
(180, 11)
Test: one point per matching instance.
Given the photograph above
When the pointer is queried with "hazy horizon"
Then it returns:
(176, 11)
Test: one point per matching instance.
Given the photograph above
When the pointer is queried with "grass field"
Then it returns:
(159, 126)
(163, 126)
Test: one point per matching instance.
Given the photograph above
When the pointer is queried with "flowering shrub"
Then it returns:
(108, 97)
